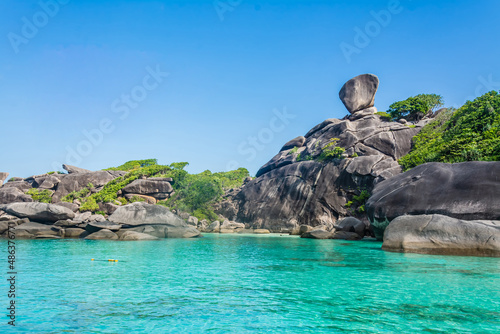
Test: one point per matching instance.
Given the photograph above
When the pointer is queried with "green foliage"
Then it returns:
(415, 108)
(303, 158)
(79, 195)
(135, 164)
(197, 193)
(354, 155)
(50, 173)
(470, 133)
(359, 201)
(293, 150)
(43, 196)
(89, 204)
(232, 179)
(102, 213)
(433, 101)
(10, 180)
(193, 193)
(410, 109)
(122, 200)
(137, 199)
(384, 116)
(331, 151)
(109, 191)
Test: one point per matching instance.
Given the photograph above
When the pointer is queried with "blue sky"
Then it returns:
(220, 84)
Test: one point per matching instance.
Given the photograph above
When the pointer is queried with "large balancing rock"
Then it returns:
(359, 92)
(467, 190)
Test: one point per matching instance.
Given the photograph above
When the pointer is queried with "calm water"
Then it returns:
(234, 283)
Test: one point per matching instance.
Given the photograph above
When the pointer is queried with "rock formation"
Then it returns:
(438, 234)
(467, 190)
(41, 220)
(359, 92)
(312, 179)
(3, 177)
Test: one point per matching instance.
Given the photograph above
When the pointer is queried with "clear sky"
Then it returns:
(220, 84)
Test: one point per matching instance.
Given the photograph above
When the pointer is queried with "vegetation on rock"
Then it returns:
(416, 107)
(471, 133)
(43, 196)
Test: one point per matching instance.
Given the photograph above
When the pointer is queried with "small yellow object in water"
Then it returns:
(91, 259)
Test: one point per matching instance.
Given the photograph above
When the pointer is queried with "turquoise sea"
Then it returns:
(247, 283)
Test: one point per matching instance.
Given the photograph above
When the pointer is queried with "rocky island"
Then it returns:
(406, 177)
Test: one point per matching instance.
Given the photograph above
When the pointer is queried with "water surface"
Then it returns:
(254, 283)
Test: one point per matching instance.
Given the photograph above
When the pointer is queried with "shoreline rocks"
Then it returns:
(467, 190)
(443, 235)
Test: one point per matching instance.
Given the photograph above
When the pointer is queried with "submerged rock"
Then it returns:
(438, 234)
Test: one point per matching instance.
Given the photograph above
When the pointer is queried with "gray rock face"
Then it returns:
(351, 224)
(317, 234)
(137, 214)
(132, 235)
(290, 192)
(3, 177)
(31, 230)
(73, 232)
(40, 212)
(156, 189)
(102, 235)
(214, 227)
(96, 226)
(20, 185)
(438, 234)
(11, 195)
(77, 181)
(296, 142)
(71, 206)
(343, 235)
(467, 190)
(45, 182)
(74, 170)
(359, 92)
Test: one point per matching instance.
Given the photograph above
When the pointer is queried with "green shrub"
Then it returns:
(89, 204)
(470, 133)
(137, 199)
(331, 151)
(50, 173)
(43, 196)
(384, 116)
(122, 200)
(135, 164)
(293, 150)
(102, 213)
(79, 195)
